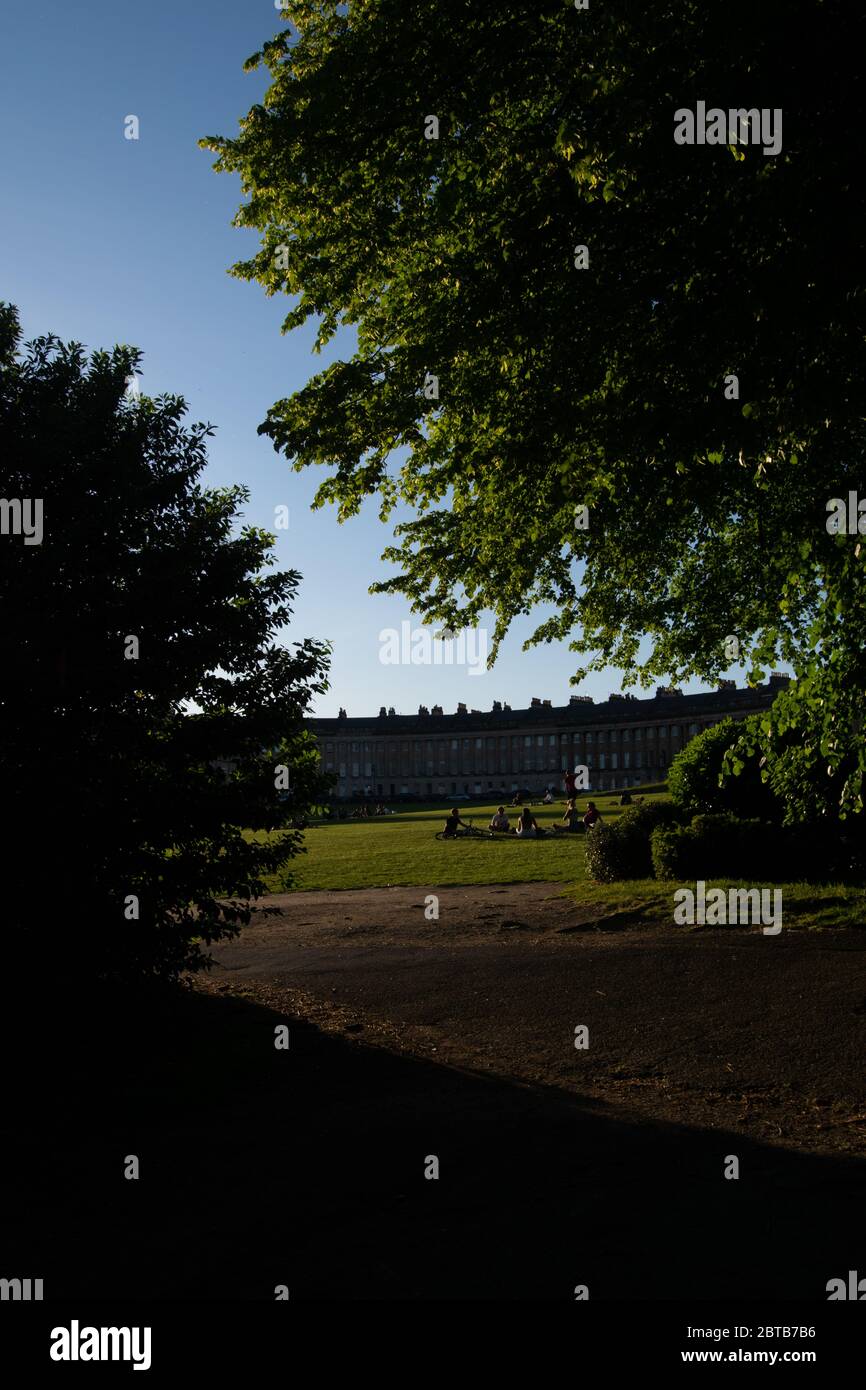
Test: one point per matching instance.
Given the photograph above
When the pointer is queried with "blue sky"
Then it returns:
(109, 240)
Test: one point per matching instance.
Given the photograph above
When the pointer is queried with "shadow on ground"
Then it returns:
(306, 1168)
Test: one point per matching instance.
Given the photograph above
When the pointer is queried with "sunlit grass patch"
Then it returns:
(402, 851)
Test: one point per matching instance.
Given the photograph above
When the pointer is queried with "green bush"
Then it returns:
(622, 850)
(724, 847)
(718, 846)
(649, 840)
(822, 852)
(604, 854)
(696, 771)
(673, 852)
(644, 816)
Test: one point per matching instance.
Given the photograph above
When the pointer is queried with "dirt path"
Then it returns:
(409, 1038)
(727, 1027)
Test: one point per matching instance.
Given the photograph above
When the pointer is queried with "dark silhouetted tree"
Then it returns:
(145, 706)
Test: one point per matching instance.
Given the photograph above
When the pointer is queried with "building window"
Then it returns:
(626, 735)
(614, 760)
(638, 735)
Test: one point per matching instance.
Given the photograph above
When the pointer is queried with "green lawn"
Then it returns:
(388, 851)
(401, 850)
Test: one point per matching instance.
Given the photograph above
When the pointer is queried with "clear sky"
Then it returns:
(107, 240)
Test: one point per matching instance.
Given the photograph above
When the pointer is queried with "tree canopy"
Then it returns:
(584, 289)
(145, 705)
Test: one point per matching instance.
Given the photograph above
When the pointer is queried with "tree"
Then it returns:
(809, 745)
(558, 307)
(141, 685)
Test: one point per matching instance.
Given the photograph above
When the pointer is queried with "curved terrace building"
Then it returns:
(623, 741)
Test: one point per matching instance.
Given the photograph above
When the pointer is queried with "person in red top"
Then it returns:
(592, 816)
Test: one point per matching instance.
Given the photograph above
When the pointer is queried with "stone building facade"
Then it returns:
(623, 741)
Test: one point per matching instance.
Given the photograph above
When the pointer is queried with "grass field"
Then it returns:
(401, 851)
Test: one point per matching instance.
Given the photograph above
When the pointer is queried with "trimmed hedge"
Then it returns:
(724, 847)
(711, 847)
(623, 850)
(654, 839)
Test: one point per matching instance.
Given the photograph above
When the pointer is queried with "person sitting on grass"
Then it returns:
(571, 821)
(500, 821)
(453, 822)
(527, 825)
(592, 816)
(548, 797)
